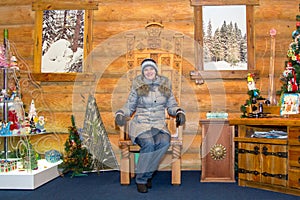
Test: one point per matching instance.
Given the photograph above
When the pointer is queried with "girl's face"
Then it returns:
(149, 73)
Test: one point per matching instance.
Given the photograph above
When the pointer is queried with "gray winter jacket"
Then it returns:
(148, 101)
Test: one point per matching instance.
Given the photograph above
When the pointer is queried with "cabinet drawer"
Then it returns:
(294, 156)
(294, 178)
(294, 136)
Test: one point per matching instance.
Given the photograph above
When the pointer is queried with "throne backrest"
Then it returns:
(165, 47)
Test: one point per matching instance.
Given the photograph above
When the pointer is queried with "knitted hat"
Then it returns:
(149, 62)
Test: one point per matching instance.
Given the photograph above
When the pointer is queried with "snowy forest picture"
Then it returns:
(62, 45)
(224, 38)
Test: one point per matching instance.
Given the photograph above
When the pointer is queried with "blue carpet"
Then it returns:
(106, 186)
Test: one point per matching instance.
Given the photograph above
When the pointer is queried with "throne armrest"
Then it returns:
(176, 132)
(124, 130)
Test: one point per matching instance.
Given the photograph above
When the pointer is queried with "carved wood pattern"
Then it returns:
(176, 153)
(124, 152)
(165, 49)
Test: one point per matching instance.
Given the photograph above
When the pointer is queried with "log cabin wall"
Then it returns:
(59, 99)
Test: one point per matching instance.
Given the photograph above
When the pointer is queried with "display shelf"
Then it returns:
(24, 135)
(30, 179)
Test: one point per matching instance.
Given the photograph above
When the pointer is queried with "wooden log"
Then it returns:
(15, 2)
(105, 30)
(143, 11)
(277, 10)
(19, 34)
(24, 16)
(65, 77)
(221, 2)
(58, 5)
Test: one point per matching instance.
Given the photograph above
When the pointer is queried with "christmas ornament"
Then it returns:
(52, 156)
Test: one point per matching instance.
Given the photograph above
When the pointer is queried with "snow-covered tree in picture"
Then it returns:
(224, 38)
(62, 45)
(227, 46)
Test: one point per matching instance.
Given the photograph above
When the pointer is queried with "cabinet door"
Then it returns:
(217, 153)
(249, 161)
(274, 164)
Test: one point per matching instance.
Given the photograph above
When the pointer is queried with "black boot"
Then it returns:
(149, 183)
(142, 188)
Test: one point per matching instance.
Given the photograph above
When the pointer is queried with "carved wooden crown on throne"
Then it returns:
(164, 46)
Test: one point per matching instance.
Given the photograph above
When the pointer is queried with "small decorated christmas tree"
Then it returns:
(291, 74)
(77, 158)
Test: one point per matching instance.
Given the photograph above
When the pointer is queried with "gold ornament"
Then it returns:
(218, 152)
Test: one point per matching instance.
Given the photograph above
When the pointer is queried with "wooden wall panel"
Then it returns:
(276, 9)
(143, 11)
(15, 2)
(8, 15)
(57, 101)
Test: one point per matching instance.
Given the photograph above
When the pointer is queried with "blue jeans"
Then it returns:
(154, 144)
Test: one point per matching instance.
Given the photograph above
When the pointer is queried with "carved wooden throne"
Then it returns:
(165, 47)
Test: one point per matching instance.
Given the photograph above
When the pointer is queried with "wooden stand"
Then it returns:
(217, 151)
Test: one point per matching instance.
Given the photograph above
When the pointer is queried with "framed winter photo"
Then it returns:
(62, 39)
(224, 37)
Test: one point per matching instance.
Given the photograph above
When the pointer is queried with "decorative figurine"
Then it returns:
(250, 80)
(40, 124)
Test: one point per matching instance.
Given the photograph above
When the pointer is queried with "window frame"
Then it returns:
(39, 8)
(198, 36)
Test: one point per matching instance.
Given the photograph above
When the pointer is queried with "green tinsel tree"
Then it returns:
(77, 158)
(291, 74)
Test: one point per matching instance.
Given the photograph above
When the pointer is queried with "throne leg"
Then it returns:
(176, 165)
(124, 166)
(132, 164)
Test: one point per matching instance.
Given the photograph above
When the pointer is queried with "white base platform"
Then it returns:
(30, 179)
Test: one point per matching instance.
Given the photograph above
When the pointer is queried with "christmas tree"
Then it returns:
(291, 74)
(77, 158)
(95, 138)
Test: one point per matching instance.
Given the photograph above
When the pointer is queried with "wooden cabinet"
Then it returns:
(294, 157)
(264, 163)
(268, 163)
(217, 151)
